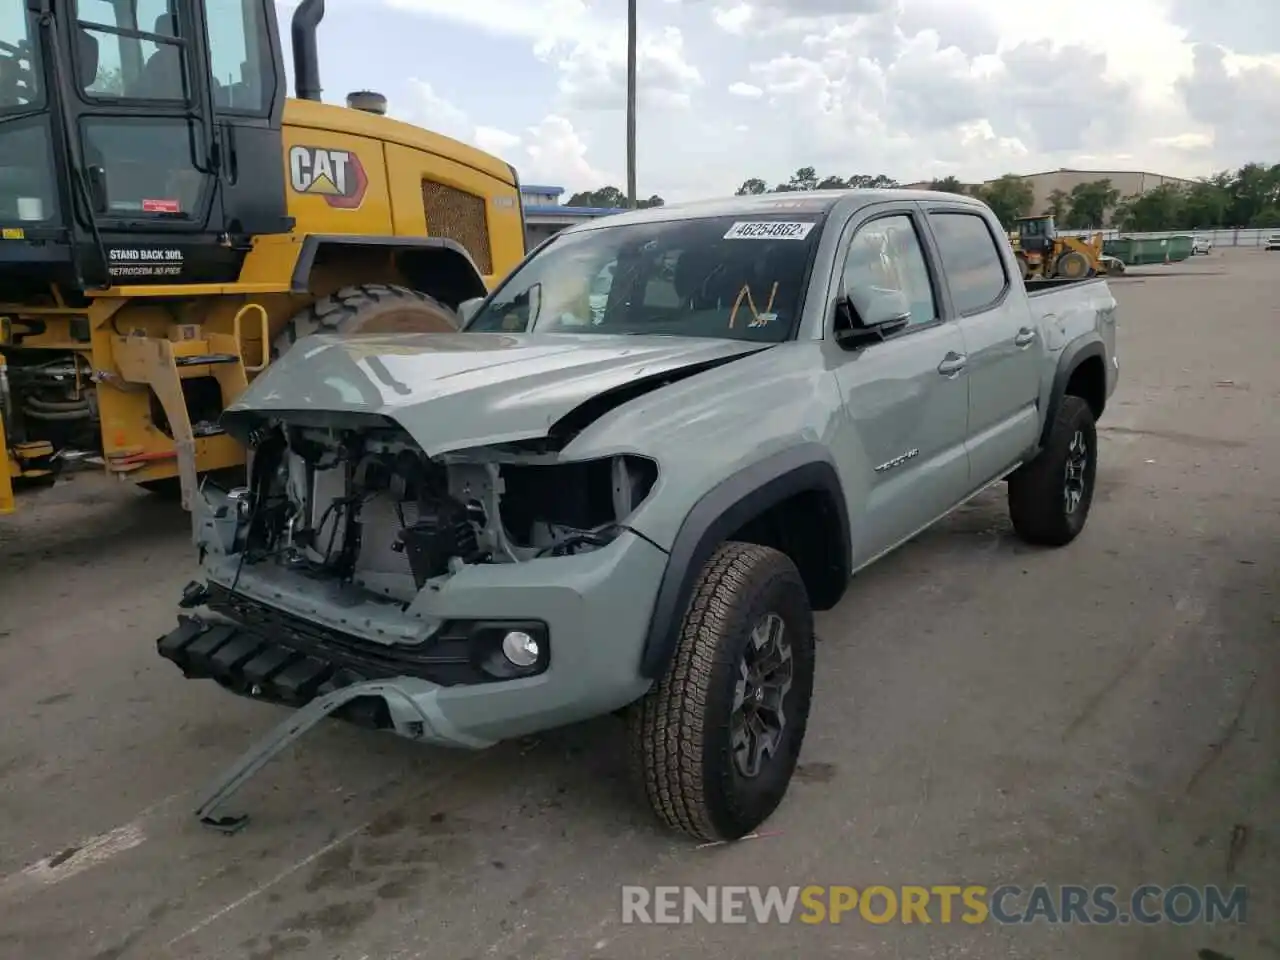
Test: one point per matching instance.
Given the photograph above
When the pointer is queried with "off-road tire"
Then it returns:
(679, 740)
(368, 308)
(1037, 490)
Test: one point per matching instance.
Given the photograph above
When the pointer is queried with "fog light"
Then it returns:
(520, 648)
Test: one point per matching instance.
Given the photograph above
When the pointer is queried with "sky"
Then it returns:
(731, 89)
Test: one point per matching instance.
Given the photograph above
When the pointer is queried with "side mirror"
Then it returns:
(869, 314)
(468, 308)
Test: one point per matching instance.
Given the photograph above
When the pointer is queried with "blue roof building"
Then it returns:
(545, 215)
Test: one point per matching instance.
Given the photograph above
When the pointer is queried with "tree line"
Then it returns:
(610, 198)
(1247, 197)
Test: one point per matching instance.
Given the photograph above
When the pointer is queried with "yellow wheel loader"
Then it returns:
(1043, 254)
(170, 222)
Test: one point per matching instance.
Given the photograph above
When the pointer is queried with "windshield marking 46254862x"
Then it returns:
(769, 230)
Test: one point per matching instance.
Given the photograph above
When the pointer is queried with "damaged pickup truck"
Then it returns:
(652, 452)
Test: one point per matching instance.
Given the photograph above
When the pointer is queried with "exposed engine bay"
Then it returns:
(367, 508)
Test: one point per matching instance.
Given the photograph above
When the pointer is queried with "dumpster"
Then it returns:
(1143, 251)
(1180, 247)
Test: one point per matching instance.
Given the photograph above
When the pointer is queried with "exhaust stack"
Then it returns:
(306, 58)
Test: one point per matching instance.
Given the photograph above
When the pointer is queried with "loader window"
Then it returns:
(28, 193)
(147, 161)
(20, 86)
(131, 50)
(240, 54)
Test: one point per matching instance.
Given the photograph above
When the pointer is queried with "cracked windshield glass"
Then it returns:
(730, 277)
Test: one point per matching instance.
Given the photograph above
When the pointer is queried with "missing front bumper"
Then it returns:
(248, 664)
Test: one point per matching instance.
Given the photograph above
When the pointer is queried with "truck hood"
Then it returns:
(457, 390)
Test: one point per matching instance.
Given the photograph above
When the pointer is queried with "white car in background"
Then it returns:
(1201, 245)
(1273, 242)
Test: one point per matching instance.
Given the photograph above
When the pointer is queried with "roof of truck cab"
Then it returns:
(799, 202)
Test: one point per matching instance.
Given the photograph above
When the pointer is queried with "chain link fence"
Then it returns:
(1238, 237)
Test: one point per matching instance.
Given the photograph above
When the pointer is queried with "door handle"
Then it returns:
(952, 364)
(1024, 337)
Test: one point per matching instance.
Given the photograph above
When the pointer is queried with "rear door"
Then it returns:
(1001, 339)
(907, 396)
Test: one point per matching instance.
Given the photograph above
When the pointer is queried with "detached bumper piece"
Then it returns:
(246, 664)
(274, 656)
(324, 674)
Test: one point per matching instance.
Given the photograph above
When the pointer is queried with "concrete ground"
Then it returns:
(985, 713)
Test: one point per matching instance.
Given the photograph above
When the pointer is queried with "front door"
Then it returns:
(1000, 338)
(907, 397)
(143, 123)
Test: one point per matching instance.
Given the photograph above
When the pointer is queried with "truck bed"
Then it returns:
(1037, 287)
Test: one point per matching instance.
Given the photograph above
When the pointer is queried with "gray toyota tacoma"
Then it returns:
(626, 484)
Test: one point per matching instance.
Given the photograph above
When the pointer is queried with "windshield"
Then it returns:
(20, 87)
(738, 278)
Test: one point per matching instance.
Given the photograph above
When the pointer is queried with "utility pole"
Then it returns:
(631, 104)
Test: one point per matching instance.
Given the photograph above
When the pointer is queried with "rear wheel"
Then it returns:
(368, 308)
(714, 744)
(1049, 498)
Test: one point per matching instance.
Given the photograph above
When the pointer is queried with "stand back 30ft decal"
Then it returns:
(336, 175)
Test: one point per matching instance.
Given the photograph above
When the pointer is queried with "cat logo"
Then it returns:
(336, 175)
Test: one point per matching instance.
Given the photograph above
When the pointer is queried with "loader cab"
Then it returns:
(1035, 234)
(139, 139)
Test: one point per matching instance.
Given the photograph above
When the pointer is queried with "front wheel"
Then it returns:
(1049, 498)
(714, 743)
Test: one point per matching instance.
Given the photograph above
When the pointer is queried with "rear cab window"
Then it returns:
(734, 277)
(975, 270)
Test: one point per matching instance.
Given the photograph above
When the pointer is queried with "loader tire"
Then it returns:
(368, 308)
(1024, 270)
(1072, 265)
(748, 628)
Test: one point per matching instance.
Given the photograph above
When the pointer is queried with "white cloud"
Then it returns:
(429, 109)
(593, 74)
(495, 141)
(912, 88)
(733, 19)
(549, 151)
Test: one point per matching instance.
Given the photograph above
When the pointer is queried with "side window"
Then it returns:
(887, 253)
(975, 270)
(238, 54)
(118, 62)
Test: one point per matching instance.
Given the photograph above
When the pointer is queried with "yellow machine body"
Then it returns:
(358, 183)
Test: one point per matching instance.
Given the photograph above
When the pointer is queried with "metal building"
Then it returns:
(544, 215)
